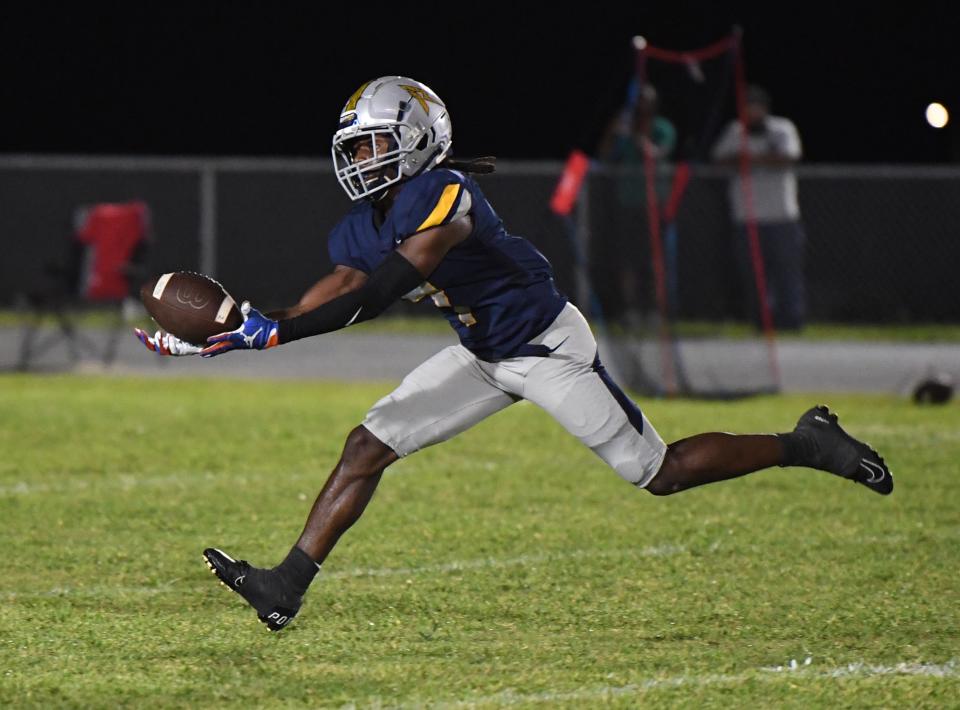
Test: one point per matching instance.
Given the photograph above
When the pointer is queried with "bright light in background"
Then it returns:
(937, 115)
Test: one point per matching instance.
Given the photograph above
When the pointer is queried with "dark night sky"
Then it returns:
(261, 78)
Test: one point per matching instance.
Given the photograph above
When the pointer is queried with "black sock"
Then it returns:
(798, 450)
(298, 569)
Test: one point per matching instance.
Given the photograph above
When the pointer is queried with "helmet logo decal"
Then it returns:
(421, 96)
(351, 104)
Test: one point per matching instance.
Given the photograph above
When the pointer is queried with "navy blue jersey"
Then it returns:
(495, 289)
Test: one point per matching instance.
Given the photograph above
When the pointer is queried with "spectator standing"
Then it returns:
(773, 144)
(633, 134)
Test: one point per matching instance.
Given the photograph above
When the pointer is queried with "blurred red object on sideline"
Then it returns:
(568, 189)
(111, 232)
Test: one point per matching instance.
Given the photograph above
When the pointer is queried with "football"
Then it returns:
(190, 306)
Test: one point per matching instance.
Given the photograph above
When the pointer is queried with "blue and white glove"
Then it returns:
(257, 333)
(165, 344)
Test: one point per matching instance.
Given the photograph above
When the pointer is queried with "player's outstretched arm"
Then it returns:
(259, 331)
(342, 280)
(401, 272)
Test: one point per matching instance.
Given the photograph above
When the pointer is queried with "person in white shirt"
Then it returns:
(774, 148)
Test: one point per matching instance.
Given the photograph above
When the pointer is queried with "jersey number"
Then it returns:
(440, 300)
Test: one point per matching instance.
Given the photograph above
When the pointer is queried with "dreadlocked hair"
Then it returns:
(480, 166)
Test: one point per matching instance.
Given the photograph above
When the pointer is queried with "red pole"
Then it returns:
(656, 248)
(750, 213)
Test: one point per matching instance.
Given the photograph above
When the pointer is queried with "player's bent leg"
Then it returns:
(277, 594)
(816, 442)
(586, 401)
(346, 493)
(579, 393)
(444, 396)
(441, 398)
(574, 388)
(707, 458)
(604, 419)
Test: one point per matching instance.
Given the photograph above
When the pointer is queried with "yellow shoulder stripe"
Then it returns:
(444, 205)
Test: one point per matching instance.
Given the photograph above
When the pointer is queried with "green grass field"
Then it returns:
(505, 567)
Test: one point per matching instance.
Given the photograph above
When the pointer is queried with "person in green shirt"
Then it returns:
(624, 259)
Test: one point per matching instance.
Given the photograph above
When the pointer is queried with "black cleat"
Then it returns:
(832, 449)
(262, 589)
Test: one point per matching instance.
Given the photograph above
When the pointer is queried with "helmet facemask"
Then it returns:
(374, 173)
(414, 123)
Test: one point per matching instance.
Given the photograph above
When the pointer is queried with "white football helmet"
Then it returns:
(413, 120)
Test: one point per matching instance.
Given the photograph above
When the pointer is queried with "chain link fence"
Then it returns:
(882, 243)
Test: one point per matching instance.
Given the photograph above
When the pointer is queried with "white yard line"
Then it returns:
(664, 550)
(786, 673)
(453, 566)
(496, 562)
(72, 483)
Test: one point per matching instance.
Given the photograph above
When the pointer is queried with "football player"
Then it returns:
(421, 228)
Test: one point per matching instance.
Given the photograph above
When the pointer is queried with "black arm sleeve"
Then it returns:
(392, 279)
